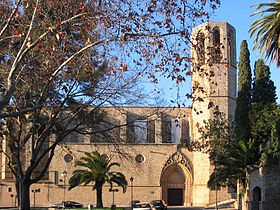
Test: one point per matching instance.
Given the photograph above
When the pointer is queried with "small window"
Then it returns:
(68, 158)
(139, 158)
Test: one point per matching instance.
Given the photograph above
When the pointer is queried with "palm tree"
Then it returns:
(96, 170)
(267, 31)
(233, 164)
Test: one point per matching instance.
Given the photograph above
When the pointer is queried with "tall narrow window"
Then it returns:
(166, 129)
(216, 36)
(73, 137)
(216, 53)
(172, 130)
(200, 48)
(176, 127)
(231, 50)
(151, 131)
(185, 131)
(106, 131)
(140, 131)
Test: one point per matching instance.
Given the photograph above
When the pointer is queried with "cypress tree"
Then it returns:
(263, 87)
(263, 104)
(243, 103)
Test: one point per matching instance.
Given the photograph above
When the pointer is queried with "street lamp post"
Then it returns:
(64, 174)
(216, 197)
(131, 180)
(216, 190)
(34, 192)
(12, 195)
(113, 190)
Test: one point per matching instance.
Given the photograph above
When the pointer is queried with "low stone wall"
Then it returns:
(268, 181)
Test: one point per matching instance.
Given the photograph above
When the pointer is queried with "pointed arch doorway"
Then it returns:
(176, 182)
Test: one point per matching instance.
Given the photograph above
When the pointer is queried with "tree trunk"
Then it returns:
(99, 203)
(24, 195)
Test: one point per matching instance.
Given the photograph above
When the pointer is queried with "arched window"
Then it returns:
(257, 197)
(216, 36)
(216, 52)
(200, 48)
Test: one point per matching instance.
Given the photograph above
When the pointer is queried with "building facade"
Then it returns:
(151, 146)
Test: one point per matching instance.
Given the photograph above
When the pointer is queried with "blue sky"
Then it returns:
(237, 13)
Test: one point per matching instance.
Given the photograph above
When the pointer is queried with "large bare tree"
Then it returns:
(60, 61)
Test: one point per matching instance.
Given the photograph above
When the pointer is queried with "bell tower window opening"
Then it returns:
(216, 53)
(200, 48)
(231, 53)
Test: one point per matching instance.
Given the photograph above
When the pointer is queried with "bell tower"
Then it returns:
(213, 84)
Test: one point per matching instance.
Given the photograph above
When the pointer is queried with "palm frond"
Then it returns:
(96, 169)
(267, 31)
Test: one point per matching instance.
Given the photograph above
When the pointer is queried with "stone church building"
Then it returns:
(152, 141)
